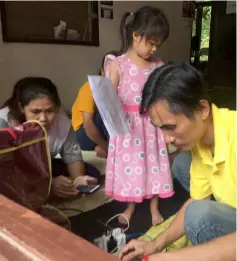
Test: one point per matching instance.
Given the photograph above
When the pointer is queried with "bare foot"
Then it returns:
(155, 213)
(157, 218)
(128, 213)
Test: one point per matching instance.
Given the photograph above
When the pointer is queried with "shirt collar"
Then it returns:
(220, 135)
(220, 140)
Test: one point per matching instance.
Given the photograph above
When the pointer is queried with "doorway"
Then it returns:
(213, 50)
(201, 31)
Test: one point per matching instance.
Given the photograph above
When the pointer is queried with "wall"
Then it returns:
(68, 66)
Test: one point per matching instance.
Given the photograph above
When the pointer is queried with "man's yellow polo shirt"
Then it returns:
(216, 175)
(83, 103)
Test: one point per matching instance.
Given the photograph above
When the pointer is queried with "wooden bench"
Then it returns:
(26, 236)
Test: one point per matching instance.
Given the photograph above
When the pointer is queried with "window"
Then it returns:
(56, 22)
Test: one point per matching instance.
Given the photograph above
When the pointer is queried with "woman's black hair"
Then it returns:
(147, 22)
(114, 53)
(178, 83)
(26, 90)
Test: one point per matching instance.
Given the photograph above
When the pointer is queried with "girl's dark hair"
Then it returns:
(115, 53)
(147, 21)
(26, 90)
(178, 83)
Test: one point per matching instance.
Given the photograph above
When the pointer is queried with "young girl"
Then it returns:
(138, 164)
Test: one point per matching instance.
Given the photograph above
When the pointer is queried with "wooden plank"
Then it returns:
(24, 235)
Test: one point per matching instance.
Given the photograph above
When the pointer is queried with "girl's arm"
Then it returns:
(113, 74)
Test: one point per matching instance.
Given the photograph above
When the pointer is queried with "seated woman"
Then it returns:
(86, 120)
(36, 98)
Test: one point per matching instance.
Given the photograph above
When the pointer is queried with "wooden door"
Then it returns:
(222, 51)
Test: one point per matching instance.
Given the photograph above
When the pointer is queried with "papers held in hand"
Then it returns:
(109, 105)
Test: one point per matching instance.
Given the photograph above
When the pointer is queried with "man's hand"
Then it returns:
(100, 152)
(137, 248)
(63, 187)
(93, 132)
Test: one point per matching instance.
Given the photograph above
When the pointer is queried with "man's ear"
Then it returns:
(205, 109)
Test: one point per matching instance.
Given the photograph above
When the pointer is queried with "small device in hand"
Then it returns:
(87, 189)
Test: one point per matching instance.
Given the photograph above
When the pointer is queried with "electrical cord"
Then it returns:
(123, 233)
(117, 215)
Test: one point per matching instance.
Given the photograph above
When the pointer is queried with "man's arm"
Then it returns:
(138, 248)
(93, 132)
(174, 231)
(220, 249)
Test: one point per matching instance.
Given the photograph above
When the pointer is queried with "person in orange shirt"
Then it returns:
(86, 120)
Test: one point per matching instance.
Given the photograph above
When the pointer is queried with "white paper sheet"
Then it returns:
(109, 105)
